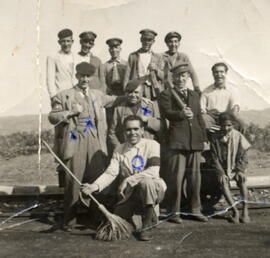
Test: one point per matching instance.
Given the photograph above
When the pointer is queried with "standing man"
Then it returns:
(115, 68)
(172, 57)
(218, 98)
(134, 105)
(144, 62)
(60, 67)
(87, 41)
(186, 141)
(136, 163)
(78, 113)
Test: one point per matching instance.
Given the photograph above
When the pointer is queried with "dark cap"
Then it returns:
(88, 35)
(180, 68)
(172, 34)
(64, 33)
(134, 84)
(85, 68)
(114, 42)
(146, 33)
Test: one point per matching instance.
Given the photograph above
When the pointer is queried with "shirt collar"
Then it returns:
(141, 52)
(137, 146)
(89, 54)
(117, 60)
(219, 87)
(81, 90)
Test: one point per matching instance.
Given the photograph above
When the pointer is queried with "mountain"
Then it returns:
(29, 123)
(26, 123)
(259, 117)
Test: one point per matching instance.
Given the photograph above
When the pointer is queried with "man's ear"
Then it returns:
(77, 76)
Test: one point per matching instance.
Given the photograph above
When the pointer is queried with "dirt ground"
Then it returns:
(217, 238)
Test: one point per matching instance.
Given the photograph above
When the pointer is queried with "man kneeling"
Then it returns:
(136, 163)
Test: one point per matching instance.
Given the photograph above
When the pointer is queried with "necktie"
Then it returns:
(115, 73)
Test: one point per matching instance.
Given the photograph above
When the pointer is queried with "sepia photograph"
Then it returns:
(135, 128)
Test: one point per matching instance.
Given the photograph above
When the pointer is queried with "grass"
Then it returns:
(24, 170)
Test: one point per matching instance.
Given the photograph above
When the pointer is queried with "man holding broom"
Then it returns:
(136, 164)
(78, 114)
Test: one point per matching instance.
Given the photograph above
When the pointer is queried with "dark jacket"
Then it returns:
(184, 134)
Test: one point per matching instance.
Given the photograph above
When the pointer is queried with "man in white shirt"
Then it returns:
(219, 97)
(136, 163)
(60, 66)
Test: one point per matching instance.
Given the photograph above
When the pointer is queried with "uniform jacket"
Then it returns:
(64, 146)
(59, 76)
(184, 134)
(116, 131)
(132, 67)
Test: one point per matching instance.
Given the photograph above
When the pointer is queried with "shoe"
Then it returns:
(67, 228)
(145, 235)
(176, 220)
(245, 219)
(200, 218)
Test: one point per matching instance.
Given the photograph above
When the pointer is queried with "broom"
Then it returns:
(114, 228)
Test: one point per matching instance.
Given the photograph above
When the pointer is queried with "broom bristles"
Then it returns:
(115, 228)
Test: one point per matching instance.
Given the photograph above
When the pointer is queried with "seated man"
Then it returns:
(135, 104)
(136, 163)
(229, 159)
(218, 98)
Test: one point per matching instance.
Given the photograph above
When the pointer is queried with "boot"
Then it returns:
(147, 223)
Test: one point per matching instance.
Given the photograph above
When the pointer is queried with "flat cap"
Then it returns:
(147, 33)
(134, 84)
(180, 68)
(64, 33)
(172, 34)
(85, 68)
(88, 35)
(114, 42)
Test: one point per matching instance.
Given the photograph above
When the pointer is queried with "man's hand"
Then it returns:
(77, 108)
(122, 188)
(89, 188)
(187, 113)
(144, 118)
(152, 67)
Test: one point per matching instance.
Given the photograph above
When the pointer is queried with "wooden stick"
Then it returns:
(178, 100)
(68, 170)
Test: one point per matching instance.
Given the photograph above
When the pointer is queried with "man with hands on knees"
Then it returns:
(136, 164)
(186, 142)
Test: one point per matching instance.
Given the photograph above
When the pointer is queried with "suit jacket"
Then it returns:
(116, 131)
(184, 134)
(64, 146)
(59, 76)
(132, 67)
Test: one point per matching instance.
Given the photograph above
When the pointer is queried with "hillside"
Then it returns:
(28, 123)
(259, 117)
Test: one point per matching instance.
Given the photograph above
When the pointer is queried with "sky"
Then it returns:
(234, 31)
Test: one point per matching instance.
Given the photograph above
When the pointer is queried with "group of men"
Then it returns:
(129, 122)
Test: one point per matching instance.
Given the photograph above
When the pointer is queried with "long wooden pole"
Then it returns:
(68, 170)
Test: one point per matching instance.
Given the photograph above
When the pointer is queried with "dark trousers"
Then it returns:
(181, 165)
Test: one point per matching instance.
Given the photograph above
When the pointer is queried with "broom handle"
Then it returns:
(179, 101)
(68, 170)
